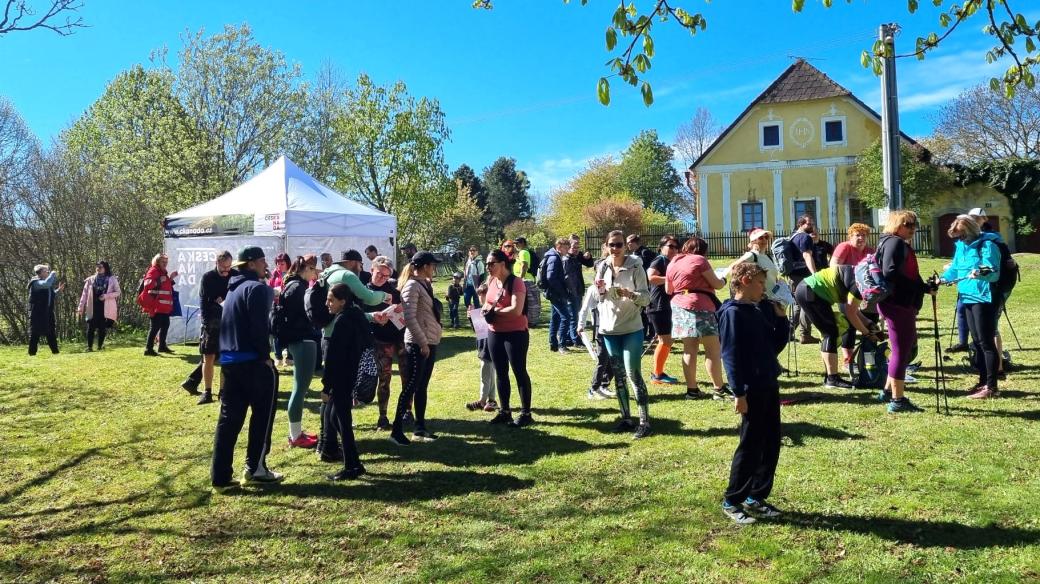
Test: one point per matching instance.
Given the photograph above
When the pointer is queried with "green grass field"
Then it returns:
(104, 477)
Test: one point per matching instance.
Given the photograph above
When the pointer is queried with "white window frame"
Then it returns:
(765, 212)
(844, 132)
(761, 134)
(794, 211)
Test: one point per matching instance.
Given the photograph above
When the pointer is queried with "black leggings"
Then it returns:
(417, 385)
(820, 314)
(160, 326)
(100, 328)
(340, 416)
(511, 349)
(982, 322)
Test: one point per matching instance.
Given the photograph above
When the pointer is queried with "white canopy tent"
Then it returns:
(280, 209)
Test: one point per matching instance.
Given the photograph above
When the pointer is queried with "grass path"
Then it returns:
(104, 477)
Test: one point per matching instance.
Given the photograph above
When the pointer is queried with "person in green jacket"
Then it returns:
(345, 271)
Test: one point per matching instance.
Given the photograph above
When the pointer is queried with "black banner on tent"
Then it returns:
(207, 226)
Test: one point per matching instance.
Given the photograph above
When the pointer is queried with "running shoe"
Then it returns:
(475, 405)
(694, 393)
(383, 423)
(760, 508)
(227, 487)
(663, 379)
(642, 431)
(737, 514)
(399, 439)
(594, 394)
(836, 382)
(902, 405)
(884, 396)
(624, 425)
(605, 392)
(722, 393)
(984, 392)
(265, 476)
(502, 417)
(303, 441)
(523, 420)
(424, 435)
(491, 406)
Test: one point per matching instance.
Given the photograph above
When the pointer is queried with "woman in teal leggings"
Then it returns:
(297, 333)
(623, 292)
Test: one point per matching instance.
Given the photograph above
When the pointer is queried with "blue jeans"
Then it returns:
(560, 323)
(574, 303)
(469, 297)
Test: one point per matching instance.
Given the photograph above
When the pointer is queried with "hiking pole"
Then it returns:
(940, 372)
(1008, 318)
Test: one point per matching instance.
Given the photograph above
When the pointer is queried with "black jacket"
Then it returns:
(385, 333)
(297, 326)
(213, 287)
(244, 325)
(899, 267)
(751, 336)
(343, 348)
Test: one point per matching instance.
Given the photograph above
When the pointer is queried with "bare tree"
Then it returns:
(19, 15)
(982, 125)
(692, 139)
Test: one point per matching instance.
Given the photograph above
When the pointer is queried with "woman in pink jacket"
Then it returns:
(98, 304)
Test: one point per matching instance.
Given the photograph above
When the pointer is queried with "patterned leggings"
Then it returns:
(385, 353)
(625, 352)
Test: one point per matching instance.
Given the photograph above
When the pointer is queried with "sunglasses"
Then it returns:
(910, 225)
(615, 244)
(507, 246)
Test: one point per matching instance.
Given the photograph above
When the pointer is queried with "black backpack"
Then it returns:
(314, 302)
(1009, 272)
(532, 269)
(542, 277)
(869, 366)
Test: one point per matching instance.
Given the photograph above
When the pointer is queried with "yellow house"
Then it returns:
(793, 152)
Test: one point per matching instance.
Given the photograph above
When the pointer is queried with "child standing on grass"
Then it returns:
(752, 332)
(453, 296)
(604, 371)
(487, 368)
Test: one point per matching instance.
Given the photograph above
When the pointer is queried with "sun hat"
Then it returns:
(757, 233)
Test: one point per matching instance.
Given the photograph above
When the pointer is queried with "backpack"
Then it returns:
(785, 255)
(531, 269)
(542, 277)
(1009, 273)
(368, 376)
(871, 283)
(869, 366)
(314, 302)
(279, 319)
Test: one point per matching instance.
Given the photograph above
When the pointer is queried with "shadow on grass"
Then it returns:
(918, 532)
(797, 432)
(397, 488)
(857, 397)
(1028, 415)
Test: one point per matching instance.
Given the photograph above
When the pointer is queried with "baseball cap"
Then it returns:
(248, 254)
(977, 212)
(424, 258)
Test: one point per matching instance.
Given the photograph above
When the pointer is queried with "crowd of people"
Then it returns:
(351, 324)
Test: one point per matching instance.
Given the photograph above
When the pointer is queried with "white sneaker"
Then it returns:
(262, 476)
(594, 395)
(605, 392)
(737, 514)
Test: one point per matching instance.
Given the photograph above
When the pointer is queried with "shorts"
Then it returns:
(662, 320)
(209, 339)
(692, 324)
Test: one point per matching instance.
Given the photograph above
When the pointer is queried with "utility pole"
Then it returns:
(890, 118)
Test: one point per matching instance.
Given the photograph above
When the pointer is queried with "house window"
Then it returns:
(771, 135)
(859, 212)
(805, 207)
(751, 215)
(834, 131)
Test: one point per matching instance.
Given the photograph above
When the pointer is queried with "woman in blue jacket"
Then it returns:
(975, 251)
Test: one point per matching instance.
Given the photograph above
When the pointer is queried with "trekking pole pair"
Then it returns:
(940, 370)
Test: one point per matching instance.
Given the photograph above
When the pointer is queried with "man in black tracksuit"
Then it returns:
(752, 332)
(250, 380)
(212, 291)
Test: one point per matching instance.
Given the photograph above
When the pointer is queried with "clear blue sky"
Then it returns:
(517, 81)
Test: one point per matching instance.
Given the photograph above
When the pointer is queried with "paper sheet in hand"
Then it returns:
(591, 347)
(781, 293)
(480, 326)
(395, 317)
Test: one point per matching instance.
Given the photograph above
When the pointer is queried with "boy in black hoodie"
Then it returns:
(752, 332)
(250, 380)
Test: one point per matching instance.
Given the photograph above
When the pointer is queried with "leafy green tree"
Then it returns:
(539, 235)
(1018, 179)
(466, 177)
(922, 181)
(507, 195)
(245, 97)
(600, 180)
(610, 214)
(646, 172)
(138, 135)
(460, 225)
(392, 148)
(1013, 36)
